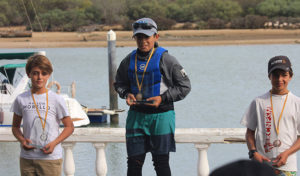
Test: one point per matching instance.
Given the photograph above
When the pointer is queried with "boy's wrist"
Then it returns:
(251, 153)
(22, 141)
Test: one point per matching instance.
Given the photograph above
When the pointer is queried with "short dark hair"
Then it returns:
(290, 72)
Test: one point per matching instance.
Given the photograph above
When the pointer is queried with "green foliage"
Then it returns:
(45, 5)
(69, 15)
(220, 9)
(4, 8)
(270, 8)
(248, 6)
(60, 20)
(50, 20)
(10, 13)
(149, 9)
(94, 14)
(113, 11)
(275, 8)
(180, 13)
(295, 9)
(3, 20)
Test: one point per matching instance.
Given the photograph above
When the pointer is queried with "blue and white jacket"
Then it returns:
(172, 85)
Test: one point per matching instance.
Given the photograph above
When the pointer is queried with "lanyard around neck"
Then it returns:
(135, 67)
(37, 110)
(277, 127)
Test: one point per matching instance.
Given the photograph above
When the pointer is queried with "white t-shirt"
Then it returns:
(259, 117)
(32, 126)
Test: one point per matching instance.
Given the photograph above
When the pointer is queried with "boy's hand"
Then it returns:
(156, 101)
(281, 159)
(25, 144)
(130, 100)
(48, 149)
(260, 158)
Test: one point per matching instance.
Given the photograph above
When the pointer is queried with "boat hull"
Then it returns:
(97, 117)
(78, 116)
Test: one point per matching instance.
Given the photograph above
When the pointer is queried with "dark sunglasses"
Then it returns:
(143, 26)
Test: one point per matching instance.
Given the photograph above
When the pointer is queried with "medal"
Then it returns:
(43, 136)
(139, 95)
(277, 143)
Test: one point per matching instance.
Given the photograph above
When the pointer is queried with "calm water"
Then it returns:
(224, 81)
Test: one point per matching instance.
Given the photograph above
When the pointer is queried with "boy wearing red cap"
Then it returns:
(273, 121)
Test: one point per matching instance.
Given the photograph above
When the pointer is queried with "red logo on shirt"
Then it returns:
(268, 127)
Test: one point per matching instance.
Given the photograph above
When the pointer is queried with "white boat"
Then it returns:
(15, 81)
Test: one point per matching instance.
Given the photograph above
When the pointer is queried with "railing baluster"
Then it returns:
(69, 165)
(200, 137)
(101, 165)
(203, 167)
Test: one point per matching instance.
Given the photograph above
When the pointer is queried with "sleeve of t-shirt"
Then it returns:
(298, 124)
(61, 108)
(298, 118)
(16, 107)
(249, 119)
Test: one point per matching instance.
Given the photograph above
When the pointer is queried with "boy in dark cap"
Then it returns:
(275, 116)
(150, 80)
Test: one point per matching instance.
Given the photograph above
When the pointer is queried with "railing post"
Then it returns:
(101, 165)
(112, 67)
(69, 165)
(203, 166)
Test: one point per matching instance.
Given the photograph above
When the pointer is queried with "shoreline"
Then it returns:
(167, 38)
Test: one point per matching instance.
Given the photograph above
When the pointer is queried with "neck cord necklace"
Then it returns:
(139, 96)
(43, 136)
(277, 143)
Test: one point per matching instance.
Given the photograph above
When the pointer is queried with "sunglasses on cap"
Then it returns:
(143, 26)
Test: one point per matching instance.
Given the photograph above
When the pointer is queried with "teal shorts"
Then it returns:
(150, 133)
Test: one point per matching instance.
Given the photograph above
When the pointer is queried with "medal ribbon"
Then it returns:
(277, 128)
(135, 67)
(37, 110)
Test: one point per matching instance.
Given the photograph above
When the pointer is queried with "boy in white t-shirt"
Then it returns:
(41, 111)
(273, 121)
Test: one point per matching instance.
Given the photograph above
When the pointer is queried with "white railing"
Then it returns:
(200, 137)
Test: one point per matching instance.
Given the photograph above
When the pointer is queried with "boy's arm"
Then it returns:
(18, 133)
(250, 139)
(175, 77)
(282, 157)
(67, 131)
(122, 84)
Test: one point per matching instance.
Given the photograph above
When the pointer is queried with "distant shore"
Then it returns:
(167, 38)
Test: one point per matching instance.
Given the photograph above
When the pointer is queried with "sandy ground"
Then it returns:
(167, 38)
